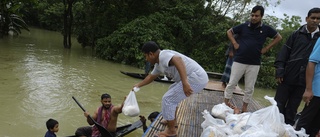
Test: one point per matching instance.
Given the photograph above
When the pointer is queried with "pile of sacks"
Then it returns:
(265, 122)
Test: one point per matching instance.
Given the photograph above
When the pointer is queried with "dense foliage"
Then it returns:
(11, 21)
(116, 29)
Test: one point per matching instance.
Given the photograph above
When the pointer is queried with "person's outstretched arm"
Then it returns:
(146, 80)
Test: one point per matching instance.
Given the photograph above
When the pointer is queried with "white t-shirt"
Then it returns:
(195, 73)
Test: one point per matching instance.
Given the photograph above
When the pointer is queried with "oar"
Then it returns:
(103, 131)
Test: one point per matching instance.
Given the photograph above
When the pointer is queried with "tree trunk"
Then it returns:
(67, 21)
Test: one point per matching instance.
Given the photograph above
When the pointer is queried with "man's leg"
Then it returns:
(165, 122)
(293, 104)
(309, 115)
(170, 101)
(237, 71)
(282, 97)
(250, 77)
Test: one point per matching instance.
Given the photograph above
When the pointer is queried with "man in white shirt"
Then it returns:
(188, 75)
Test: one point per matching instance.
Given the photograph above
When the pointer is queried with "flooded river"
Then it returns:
(38, 78)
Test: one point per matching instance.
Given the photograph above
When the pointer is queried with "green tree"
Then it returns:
(51, 16)
(10, 18)
(189, 28)
(239, 10)
(116, 29)
(67, 23)
(292, 23)
(267, 71)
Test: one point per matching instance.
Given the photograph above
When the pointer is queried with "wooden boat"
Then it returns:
(213, 85)
(189, 112)
(124, 130)
(142, 76)
(213, 75)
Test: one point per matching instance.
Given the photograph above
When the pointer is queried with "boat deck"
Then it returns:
(214, 85)
(189, 116)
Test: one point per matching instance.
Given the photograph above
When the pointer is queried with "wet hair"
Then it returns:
(153, 115)
(51, 123)
(313, 10)
(105, 96)
(256, 8)
(150, 46)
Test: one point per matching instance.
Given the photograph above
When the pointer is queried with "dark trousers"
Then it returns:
(310, 117)
(288, 98)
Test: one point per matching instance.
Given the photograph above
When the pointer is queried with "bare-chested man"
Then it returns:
(106, 115)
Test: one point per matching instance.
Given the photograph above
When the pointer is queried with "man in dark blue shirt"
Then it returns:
(247, 59)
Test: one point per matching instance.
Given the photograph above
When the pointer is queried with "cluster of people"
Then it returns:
(106, 115)
(297, 73)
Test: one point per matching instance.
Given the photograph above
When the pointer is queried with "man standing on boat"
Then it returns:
(189, 78)
(106, 115)
(247, 59)
(310, 115)
(291, 65)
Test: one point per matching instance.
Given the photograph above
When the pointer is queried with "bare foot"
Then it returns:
(165, 122)
(163, 134)
(244, 109)
(235, 109)
(167, 133)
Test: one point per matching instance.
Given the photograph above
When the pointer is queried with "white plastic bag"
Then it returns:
(213, 131)
(213, 127)
(259, 131)
(130, 106)
(221, 111)
(210, 121)
(269, 117)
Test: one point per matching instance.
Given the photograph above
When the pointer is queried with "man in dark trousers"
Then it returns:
(291, 65)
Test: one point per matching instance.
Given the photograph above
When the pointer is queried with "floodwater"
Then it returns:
(38, 78)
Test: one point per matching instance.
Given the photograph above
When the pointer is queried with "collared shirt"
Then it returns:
(251, 41)
(314, 32)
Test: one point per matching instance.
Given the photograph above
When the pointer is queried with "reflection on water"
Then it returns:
(38, 78)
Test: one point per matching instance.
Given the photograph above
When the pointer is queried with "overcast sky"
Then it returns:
(293, 7)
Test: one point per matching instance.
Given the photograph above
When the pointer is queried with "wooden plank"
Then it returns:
(217, 86)
(215, 75)
(189, 116)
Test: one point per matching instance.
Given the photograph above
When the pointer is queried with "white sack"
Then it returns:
(131, 107)
(221, 111)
